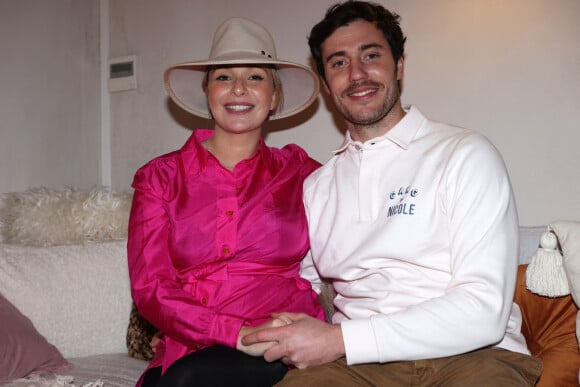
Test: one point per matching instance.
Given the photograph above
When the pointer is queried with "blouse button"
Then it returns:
(229, 213)
(226, 250)
(238, 190)
(204, 300)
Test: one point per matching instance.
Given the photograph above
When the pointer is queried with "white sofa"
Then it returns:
(77, 296)
(68, 274)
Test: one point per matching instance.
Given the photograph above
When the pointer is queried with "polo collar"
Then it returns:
(402, 134)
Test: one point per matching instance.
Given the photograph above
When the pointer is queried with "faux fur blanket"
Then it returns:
(45, 217)
(51, 381)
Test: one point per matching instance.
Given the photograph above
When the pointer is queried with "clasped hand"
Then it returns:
(297, 339)
(258, 349)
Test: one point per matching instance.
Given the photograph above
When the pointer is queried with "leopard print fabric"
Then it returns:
(139, 336)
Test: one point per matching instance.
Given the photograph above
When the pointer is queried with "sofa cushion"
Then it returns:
(117, 369)
(568, 233)
(78, 296)
(22, 349)
(549, 326)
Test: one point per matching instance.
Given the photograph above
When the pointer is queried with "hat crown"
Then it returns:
(239, 35)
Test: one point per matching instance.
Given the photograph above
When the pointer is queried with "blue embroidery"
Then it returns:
(402, 207)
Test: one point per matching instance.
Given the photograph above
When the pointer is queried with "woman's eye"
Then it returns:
(222, 77)
(256, 77)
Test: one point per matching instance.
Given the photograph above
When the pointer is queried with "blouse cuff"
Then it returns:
(225, 330)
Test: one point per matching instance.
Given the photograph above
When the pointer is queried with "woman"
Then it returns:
(217, 228)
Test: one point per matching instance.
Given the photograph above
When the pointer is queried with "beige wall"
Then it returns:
(49, 93)
(507, 68)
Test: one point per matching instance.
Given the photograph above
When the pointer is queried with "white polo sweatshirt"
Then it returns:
(418, 230)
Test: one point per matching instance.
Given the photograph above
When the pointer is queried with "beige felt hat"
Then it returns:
(244, 42)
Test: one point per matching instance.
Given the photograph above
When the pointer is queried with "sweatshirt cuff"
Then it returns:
(359, 341)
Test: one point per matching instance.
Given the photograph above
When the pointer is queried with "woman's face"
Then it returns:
(240, 98)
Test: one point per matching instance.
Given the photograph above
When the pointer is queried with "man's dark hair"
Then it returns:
(342, 14)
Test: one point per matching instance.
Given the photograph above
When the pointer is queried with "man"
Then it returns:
(415, 224)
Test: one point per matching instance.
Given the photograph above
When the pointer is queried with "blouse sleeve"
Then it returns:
(156, 291)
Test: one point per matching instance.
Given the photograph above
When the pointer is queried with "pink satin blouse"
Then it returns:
(211, 250)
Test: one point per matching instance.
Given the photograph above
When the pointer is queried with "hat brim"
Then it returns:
(183, 82)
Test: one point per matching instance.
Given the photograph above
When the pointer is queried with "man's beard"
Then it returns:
(373, 117)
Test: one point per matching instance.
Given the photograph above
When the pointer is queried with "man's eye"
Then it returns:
(338, 63)
(373, 55)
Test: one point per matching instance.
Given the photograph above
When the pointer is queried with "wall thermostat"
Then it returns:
(122, 73)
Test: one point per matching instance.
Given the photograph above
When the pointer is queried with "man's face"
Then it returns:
(361, 74)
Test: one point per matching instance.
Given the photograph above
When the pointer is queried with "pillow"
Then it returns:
(22, 349)
(78, 297)
(549, 326)
(139, 336)
(568, 234)
(44, 217)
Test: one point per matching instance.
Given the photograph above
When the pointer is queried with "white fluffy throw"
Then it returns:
(51, 381)
(45, 217)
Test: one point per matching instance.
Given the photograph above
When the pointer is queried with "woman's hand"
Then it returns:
(303, 342)
(258, 349)
(155, 341)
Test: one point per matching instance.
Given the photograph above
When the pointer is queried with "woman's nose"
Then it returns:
(239, 87)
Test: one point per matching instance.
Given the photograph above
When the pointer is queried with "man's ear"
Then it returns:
(400, 68)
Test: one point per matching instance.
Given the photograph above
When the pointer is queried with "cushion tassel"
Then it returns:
(545, 274)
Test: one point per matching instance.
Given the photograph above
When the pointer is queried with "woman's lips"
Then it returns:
(239, 107)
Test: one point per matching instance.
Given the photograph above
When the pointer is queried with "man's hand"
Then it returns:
(258, 349)
(305, 342)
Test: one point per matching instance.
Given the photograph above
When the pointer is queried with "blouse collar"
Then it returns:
(200, 156)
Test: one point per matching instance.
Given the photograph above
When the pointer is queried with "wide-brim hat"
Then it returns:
(240, 41)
